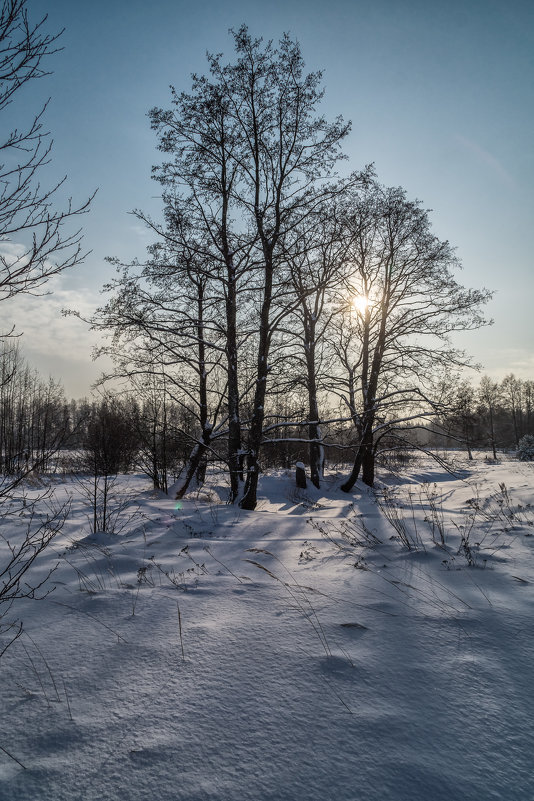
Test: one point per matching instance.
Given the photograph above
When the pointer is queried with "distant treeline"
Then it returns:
(144, 429)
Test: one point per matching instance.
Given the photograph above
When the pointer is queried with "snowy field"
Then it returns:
(323, 647)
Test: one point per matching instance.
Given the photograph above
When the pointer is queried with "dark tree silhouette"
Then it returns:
(34, 244)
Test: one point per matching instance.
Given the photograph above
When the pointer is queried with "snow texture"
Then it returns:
(214, 654)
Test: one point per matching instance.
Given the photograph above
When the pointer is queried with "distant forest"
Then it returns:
(147, 431)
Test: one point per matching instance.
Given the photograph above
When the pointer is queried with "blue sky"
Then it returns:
(441, 97)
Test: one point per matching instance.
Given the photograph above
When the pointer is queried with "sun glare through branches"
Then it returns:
(360, 304)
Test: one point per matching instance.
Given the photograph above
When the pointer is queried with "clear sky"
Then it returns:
(441, 96)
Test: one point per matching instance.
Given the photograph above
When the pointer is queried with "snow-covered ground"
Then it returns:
(299, 652)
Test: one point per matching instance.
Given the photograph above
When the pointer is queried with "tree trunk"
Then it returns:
(300, 475)
(316, 450)
(365, 459)
(234, 424)
(249, 498)
(200, 474)
(492, 431)
(355, 472)
(368, 462)
(194, 463)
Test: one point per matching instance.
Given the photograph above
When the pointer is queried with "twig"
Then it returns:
(180, 629)
(207, 548)
(13, 757)
(82, 612)
(67, 698)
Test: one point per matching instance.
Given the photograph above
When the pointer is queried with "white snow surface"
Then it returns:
(313, 668)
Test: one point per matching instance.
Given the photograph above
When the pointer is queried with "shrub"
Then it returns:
(525, 451)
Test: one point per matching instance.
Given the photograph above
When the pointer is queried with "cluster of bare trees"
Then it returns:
(274, 284)
(494, 415)
(33, 415)
(40, 432)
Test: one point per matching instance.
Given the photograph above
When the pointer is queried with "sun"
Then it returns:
(360, 303)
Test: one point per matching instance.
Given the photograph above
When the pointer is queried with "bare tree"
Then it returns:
(286, 155)
(512, 394)
(489, 397)
(16, 580)
(399, 308)
(529, 405)
(317, 265)
(33, 242)
(157, 453)
(167, 330)
(34, 420)
(203, 138)
(463, 414)
(249, 159)
(109, 448)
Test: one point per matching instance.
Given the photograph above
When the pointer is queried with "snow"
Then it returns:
(312, 667)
